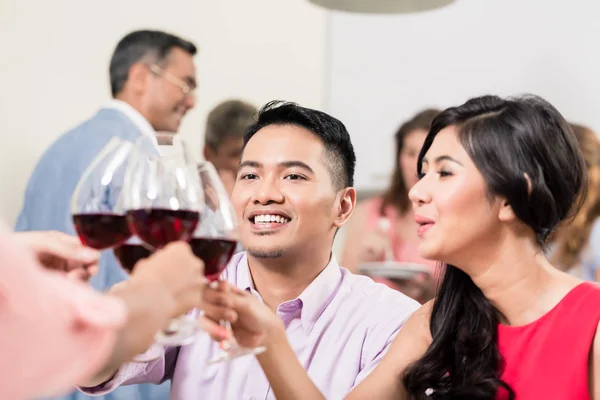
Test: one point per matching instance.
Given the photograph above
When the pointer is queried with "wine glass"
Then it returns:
(214, 241)
(97, 214)
(130, 252)
(163, 200)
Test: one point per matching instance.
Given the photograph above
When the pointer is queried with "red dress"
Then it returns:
(548, 358)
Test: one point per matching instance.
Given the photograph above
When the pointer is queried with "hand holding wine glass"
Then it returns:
(214, 241)
(61, 252)
(175, 270)
(163, 286)
(252, 322)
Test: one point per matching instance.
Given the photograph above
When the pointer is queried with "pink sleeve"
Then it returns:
(160, 367)
(54, 332)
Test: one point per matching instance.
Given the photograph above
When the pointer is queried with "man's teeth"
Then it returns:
(258, 219)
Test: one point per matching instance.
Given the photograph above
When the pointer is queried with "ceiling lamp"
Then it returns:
(381, 6)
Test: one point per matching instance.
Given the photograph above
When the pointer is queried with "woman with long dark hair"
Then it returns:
(497, 177)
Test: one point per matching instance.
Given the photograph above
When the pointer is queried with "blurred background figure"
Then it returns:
(224, 137)
(152, 80)
(576, 244)
(383, 228)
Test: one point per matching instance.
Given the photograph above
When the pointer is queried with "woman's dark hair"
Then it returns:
(397, 193)
(528, 154)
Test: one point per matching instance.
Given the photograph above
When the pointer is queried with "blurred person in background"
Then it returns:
(576, 244)
(152, 79)
(384, 226)
(224, 137)
(68, 329)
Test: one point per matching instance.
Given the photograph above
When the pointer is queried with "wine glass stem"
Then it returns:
(230, 343)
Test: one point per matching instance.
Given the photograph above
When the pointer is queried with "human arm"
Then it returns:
(165, 285)
(40, 306)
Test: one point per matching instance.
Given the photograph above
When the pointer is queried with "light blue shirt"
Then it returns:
(47, 207)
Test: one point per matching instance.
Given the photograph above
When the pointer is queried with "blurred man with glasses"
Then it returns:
(152, 79)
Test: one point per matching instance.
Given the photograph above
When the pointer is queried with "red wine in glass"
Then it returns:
(129, 254)
(158, 226)
(215, 253)
(101, 230)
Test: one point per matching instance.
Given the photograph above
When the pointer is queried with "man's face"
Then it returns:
(227, 155)
(165, 100)
(284, 196)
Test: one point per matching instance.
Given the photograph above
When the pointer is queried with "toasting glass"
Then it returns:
(214, 241)
(163, 200)
(97, 213)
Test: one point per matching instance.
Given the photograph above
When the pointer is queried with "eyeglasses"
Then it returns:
(186, 88)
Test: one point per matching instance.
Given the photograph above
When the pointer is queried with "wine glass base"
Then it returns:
(236, 352)
(178, 334)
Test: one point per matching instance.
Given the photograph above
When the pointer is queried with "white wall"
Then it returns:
(55, 58)
(378, 69)
(385, 68)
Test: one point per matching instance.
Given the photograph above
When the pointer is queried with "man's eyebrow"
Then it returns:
(251, 164)
(298, 164)
(284, 164)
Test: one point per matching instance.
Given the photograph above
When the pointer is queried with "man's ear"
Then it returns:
(209, 153)
(137, 78)
(346, 202)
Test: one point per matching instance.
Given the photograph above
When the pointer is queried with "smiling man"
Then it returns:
(293, 191)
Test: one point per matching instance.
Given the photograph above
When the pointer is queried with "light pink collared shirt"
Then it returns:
(340, 327)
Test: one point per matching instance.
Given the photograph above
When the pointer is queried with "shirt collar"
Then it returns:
(313, 300)
(134, 115)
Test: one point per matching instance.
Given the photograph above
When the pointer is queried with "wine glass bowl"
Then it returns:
(96, 210)
(163, 198)
(130, 252)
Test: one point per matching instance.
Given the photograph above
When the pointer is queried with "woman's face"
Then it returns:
(409, 154)
(452, 207)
